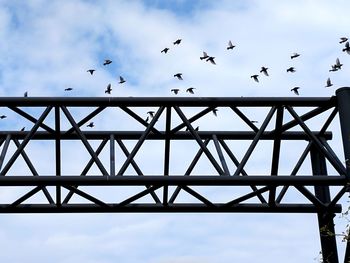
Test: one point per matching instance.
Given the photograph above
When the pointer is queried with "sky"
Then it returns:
(48, 46)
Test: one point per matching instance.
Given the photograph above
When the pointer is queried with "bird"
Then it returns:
(252, 121)
(108, 89)
(177, 42)
(165, 50)
(347, 48)
(334, 68)
(3, 117)
(343, 40)
(176, 91)
(68, 89)
(91, 71)
(107, 62)
(264, 70)
(151, 113)
(23, 128)
(190, 90)
(294, 55)
(291, 69)
(25, 94)
(338, 65)
(328, 83)
(205, 55)
(215, 112)
(121, 80)
(178, 75)
(295, 90)
(255, 77)
(230, 45)
(211, 59)
(91, 125)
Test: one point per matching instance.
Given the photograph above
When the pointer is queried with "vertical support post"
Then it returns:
(112, 155)
(343, 100)
(58, 152)
(325, 219)
(167, 153)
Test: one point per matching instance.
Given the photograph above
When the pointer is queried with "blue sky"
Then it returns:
(48, 46)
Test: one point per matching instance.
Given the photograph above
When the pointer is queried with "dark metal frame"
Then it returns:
(157, 186)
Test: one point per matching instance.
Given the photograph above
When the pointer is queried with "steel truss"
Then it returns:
(160, 191)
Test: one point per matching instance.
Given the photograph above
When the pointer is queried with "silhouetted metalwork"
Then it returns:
(160, 192)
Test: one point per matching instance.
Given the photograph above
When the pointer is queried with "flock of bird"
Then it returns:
(264, 70)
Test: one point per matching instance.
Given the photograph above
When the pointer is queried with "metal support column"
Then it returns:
(343, 99)
(325, 218)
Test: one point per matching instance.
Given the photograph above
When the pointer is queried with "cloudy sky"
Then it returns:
(48, 46)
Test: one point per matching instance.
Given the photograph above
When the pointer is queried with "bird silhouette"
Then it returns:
(291, 69)
(121, 80)
(294, 55)
(338, 65)
(205, 55)
(264, 70)
(190, 90)
(328, 83)
(178, 76)
(151, 113)
(255, 77)
(91, 71)
(215, 112)
(347, 48)
(176, 91)
(254, 121)
(295, 90)
(91, 125)
(165, 50)
(108, 89)
(107, 62)
(177, 42)
(68, 89)
(343, 40)
(25, 94)
(23, 128)
(3, 117)
(211, 60)
(230, 45)
(334, 68)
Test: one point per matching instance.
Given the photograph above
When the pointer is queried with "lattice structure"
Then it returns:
(114, 180)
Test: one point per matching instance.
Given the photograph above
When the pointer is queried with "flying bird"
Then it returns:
(215, 112)
(91, 125)
(343, 40)
(328, 83)
(91, 71)
(107, 62)
(165, 50)
(25, 94)
(151, 113)
(68, 89)
(338, 65)
(254, 121)
(23, 128)
(291, 69)
(264, 70)
(334, 68)
(295, 90)
(347, 48)
(121, 80)
(176, 91)
(230, 45)
(211, 59)
(177, 42)
(3, 117)
(178, 76)
(108, 89)
(294, 55)
(190, 90)
(255, 77)
(205, 55)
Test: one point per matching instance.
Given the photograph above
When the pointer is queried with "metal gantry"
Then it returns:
(64, 192)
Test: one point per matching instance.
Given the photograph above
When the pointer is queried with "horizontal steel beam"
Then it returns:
(167, 101)
(160, 208)
(180, 135)
(208, 180)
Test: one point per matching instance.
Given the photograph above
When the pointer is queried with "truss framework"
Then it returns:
(160, 193)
